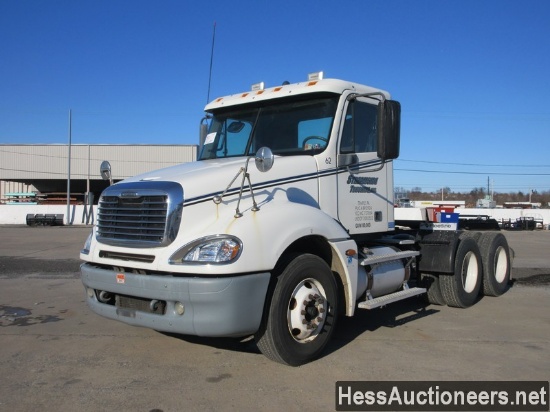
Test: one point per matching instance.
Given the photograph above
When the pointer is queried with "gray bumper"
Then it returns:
(228, 306)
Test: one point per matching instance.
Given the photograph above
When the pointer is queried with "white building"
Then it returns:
(44, 168)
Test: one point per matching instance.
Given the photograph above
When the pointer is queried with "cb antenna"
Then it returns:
(211, 61)
(203, 130)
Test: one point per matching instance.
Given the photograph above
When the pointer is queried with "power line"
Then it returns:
(473, 173)
(480, 115)
(469, 164)
(85, 158)
(64, 174)
(42, 172)
(397, 160)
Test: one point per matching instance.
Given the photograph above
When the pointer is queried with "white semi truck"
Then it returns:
(285, 223)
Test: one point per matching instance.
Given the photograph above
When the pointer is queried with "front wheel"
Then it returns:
(301, 315)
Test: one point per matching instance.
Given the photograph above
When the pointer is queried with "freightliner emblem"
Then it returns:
(129, 194)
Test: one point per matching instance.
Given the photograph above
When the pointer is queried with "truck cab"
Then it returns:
(284, 223)
(328, 129)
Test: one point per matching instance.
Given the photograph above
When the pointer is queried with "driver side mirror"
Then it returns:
(105, 171)
(389, 125)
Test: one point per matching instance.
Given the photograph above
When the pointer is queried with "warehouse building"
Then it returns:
(44, 169)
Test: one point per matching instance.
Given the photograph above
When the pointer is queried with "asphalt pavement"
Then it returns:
(56, 355)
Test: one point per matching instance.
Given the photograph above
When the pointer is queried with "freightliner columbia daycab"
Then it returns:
(274, 232)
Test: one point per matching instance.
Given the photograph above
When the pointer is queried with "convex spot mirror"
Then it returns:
(264, 159)
(105, 171)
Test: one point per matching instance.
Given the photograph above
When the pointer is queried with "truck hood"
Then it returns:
(206, 178)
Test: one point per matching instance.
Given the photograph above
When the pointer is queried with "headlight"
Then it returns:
(86, 249)
(212, 249)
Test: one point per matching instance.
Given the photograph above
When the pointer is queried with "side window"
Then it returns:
(360, 134)
(226, 137)
(236, 136)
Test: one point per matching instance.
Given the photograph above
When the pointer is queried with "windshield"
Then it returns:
(287, 128)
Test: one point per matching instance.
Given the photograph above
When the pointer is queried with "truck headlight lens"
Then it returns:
(218, 249)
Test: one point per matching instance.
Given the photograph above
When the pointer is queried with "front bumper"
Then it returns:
(228, 306)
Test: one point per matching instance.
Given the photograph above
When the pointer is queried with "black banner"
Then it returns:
(442, 396)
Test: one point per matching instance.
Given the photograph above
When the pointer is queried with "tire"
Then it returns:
(473, 235)
(301, 315)
(433, 290)
(461, 289)
(496, 260)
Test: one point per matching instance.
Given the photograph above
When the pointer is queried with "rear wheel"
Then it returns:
(433, 290)
(301, 315)
(474, 235)
(462, 288)
(495, 255)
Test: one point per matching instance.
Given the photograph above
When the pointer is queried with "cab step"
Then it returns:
(371, 260)
(392, 297)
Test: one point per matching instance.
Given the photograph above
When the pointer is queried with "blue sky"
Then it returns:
(472, 76)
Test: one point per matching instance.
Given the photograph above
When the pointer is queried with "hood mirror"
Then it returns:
(105, 171)
(264, 159)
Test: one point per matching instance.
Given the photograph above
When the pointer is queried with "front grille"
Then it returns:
(140, 214)
(141, 219)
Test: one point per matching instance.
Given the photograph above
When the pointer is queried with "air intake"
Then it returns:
(140, 214)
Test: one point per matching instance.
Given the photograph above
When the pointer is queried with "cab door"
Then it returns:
(364, 183)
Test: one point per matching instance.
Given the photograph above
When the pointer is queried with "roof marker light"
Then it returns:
(315, 76)
(258, 86)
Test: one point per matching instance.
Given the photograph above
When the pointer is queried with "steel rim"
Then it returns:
(470, 272)
(501, 264)
(307, 310)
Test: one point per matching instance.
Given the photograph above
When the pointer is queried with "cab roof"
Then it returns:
(258, 93)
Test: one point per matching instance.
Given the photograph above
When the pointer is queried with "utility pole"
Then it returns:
(69, 172)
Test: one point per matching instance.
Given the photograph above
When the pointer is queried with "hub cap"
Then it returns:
(470, 272)
(307, 310)
(501, 264)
